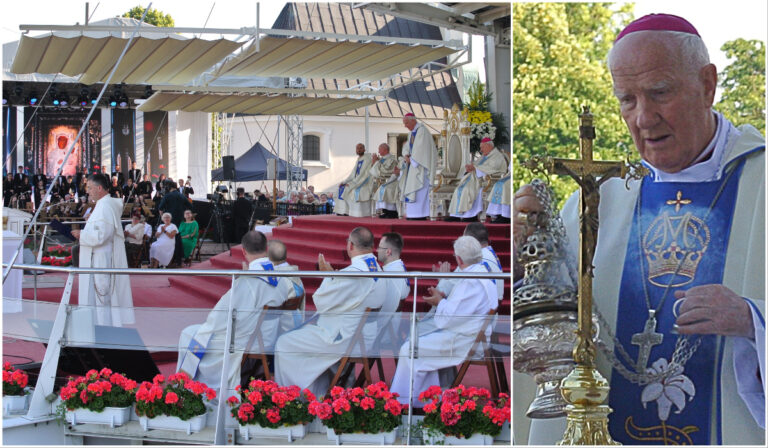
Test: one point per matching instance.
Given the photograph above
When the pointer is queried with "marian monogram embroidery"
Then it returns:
(670, 239)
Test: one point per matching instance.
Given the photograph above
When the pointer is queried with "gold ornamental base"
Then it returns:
(587, 418)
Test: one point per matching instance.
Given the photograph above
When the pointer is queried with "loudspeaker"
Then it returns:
(228, 165)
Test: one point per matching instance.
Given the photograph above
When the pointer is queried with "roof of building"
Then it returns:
(426, 98)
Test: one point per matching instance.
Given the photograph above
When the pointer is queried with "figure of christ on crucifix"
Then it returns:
(585, 172)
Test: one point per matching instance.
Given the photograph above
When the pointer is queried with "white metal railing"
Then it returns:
(61, 337)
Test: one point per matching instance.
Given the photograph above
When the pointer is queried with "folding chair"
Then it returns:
(195, 254)
(481, 342)
(348, 359)
(289, 305)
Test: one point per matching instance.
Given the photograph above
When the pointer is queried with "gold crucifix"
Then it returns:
(679, 201)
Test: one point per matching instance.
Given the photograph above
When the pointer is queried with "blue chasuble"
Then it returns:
(672, 222)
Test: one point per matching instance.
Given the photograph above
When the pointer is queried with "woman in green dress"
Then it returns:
(188, 231)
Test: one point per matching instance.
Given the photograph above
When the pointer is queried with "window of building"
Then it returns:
(311, 147)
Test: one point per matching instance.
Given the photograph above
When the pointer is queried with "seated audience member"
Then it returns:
(189, 232)
(115, 189)
(457, 320)
(202, 347)
(303, 357)
(161, 251)
(134, 239)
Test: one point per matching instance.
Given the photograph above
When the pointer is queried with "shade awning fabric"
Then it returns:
(252, 104)
(295, 57)
(253, 166)
(166, 60)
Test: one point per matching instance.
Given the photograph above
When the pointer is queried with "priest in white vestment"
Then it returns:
(290, 287)
(420, 154)
(499, 199)
(102, 245)
(202, 347)
(467, 199)
(707, 186)
(304, 356)
(388, 193)
(457, 320)
(388, 253)
(358, 186)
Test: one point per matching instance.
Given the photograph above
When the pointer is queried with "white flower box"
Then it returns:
(109, 416)
(194, 424)
(474, 439)
(289, 432)
(382, 438)
(14, 404)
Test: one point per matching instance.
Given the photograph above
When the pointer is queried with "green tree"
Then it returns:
(154, 16)
(559, 55)
(743, 83)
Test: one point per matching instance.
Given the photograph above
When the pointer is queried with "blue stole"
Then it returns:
(410, 152)
(341, 190)
(359, 165)
(267, 266)
(464, 184)
(498, 190)
(372, 266)
(673, 220)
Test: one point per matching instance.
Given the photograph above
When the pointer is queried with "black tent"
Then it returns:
(253, 166)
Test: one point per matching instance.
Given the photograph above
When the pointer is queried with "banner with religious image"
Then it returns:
(50, 134)
(155, 144)
(123, 140)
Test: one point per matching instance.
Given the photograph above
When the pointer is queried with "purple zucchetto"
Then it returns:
(658, 22)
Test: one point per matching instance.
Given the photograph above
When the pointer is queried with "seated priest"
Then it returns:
(679, 266)
(304, 356)
(290, 287)
(499, 200)
(467, 199)
(202, 347)
(457, 320)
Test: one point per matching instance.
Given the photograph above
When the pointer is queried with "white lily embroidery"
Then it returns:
(670, 389)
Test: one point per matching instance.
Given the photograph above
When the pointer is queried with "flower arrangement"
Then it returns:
(98, 390)
(268, 405)
(482, 122)
(14, 381)
(179, 396)
(463, 411)
(57, 261)
(371, 410)
(59, 251)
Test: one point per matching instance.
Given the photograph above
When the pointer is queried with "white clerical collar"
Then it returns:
(707, 170)
(255, 265)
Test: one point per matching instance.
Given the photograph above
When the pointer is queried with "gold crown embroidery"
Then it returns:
(671, 241)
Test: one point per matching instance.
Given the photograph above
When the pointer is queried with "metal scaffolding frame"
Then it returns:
(294, 138)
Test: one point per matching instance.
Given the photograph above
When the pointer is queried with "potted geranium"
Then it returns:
(266, 409)
(103, 397)
(176, 403)
(463, 415)
(358, 415)
(14, 389)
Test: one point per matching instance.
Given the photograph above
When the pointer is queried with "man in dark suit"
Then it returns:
(18, 178)
(39, 177)
(119, 174)
(241, 214)
(129, 191)
(134, 174)
(145, 187)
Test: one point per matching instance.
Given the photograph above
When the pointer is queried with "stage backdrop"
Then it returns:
(49, 135)
(123, 139)
(156, 144)
(9, 139)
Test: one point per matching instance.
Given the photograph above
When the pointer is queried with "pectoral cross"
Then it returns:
(645, 341)
(585, 172)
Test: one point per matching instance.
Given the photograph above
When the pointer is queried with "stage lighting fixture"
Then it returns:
(32, 99)
(112, 102)
(5, 100)
(122, 102)
(64, 100)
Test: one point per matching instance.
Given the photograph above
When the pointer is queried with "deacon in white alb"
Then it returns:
(102, 245)
(358, 186)
(421, 155)
(457, 320)
(202, 347)
(303, 357)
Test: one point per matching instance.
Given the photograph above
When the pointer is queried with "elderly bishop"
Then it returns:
(467, 200)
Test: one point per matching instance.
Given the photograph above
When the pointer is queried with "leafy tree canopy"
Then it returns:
(743, 83)
(559, 55)
(154, 16)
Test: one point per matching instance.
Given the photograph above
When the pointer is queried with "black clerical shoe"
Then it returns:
(451, 219)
